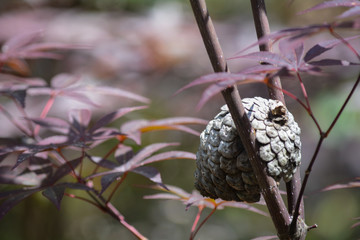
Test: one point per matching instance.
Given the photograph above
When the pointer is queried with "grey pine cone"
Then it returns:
(223, 169)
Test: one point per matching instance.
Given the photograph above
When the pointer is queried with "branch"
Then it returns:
(323, 135)
(275, 92)
(269, 189)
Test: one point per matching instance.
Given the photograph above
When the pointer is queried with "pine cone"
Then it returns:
(223, 169)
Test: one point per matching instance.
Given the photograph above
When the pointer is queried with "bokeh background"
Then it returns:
(152, 48)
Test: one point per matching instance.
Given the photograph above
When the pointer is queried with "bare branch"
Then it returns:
(269, 189)
(263, 29)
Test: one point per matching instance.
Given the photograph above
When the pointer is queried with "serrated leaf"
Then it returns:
(135, 161)
(50, 122)
(342, 186)
(351, 12)
(245, 206)
(108, 179)
(210, 78)
(261, 69)
(102, 162)
(151, 173)
(62, 171)
(325, 46)
(293, 34)
(266, 57)
(331, 4)
(165, 196)
(78, 186)
(53, 124)
(292, 51)
(123, 154)
(169, 155)
(22, 157)
(39, 91)
(14, 197)
(19, 96)
(147, 151)
(81, 116)
(117, 92)
(113, 116)
(172, 189)
(20, 40)
(134, 129)
(56, 140)
(214, 89)
(54, 194)
(78, 96)
(64, 80)
(332, 62)
(22, 47)
(27, 178)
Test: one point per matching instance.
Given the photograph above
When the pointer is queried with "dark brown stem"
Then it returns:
(263, 28)
(274, 88)
(306, 177)
(269, 189)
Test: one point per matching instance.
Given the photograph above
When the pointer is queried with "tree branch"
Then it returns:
(269, 189)
(262, 29)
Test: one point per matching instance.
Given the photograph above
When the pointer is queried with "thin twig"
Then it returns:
(196, 221)
(269, 189)
(116, 214)
(323, 135)
(117, 186)
(275, 92)
(44, 112)
(193, 234)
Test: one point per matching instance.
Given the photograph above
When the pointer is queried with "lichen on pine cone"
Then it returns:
(223, 169)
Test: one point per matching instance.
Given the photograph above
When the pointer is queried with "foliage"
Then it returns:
(291, 61)
(53, 155)
(45, 153)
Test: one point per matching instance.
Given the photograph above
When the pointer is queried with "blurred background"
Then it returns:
(152, 48)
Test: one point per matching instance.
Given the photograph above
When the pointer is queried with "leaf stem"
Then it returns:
(78, 178)
(116, 187)
(44, 112)
(196, 221)
(193, 234)
(117, 215)
(303, 89)
(85, 200)
(112, 150)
